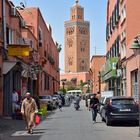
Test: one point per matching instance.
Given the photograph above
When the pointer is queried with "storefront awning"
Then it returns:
(7, 66)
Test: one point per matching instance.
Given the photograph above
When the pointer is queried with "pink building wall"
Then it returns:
(48, 45)
(131, 24)
(33, 21)
(14, 24)
(133, 29)
(97, 62)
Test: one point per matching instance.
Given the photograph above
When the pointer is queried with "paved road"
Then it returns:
(76, 125)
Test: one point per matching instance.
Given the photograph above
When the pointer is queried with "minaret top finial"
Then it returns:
(76, 1)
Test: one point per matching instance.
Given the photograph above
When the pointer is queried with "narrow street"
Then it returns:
(76, 125)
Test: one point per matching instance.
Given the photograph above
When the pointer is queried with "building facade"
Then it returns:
(48, 82)
(77, 45)
(97, 61)
(24, 63)
(120, 71)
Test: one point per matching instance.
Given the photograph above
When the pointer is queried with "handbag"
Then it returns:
(37, 119)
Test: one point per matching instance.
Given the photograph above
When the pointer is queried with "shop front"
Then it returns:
(109, 75)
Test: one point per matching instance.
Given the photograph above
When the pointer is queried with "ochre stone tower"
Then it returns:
(77, 41)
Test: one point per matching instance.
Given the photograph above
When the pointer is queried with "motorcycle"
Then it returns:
(76, 106)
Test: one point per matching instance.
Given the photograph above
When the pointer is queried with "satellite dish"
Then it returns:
(22, 5)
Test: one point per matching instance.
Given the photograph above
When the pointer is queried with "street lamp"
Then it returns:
(63, 83)
(136, 48)
(99, 80)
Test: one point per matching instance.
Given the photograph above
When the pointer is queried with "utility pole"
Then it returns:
(95, 50)
(4, 25)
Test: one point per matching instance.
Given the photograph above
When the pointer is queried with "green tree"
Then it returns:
(63, 90)
(82, 84)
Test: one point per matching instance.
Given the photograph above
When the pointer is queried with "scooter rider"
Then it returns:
(77, 102)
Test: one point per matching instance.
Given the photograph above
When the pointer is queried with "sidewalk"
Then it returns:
(8, 125)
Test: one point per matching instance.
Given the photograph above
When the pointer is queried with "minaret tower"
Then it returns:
(77, 41)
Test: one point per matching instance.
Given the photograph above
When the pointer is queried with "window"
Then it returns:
(123, 50)
(113, 19)
(123, 35)
(40, 37)
(82, 49)
(123, 14)
(107, 33)
(46, 82)
(117, 11)
(124, 73)
(122, 101)
(45, 53)
(10, 35)
(69, 43)
(70, 60)
(110, 25)
(134, 77)
(82, 68)
(82, 30)
(70, 30)
(118, 45)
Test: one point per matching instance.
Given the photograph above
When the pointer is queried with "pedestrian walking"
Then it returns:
(94, 103)
(14, 103)
(29, 110)
(86, 102)
(60, 104)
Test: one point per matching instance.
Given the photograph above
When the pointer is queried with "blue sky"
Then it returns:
(55, 12)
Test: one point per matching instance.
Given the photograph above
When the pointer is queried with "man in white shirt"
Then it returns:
(14, 102)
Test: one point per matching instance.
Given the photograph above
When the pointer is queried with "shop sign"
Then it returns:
(111, 74)
(18, 50)
(109, 69)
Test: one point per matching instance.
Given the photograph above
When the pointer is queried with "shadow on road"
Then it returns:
(125, 124)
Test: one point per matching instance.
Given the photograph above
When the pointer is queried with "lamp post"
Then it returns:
(63, 83)
(99, 78)
(136, 48)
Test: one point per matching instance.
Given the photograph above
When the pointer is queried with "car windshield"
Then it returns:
(122, 101)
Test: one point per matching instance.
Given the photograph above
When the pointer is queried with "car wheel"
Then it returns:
(108, 122)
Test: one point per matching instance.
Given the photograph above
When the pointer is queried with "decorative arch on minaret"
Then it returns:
(69, 42)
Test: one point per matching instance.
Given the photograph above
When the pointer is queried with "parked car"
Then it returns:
(102, 102)
(55, 100)
(48, 100)
(104, 95)
(119, 108)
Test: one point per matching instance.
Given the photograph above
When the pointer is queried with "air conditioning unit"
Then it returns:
(23, 23)
(20, 40)
(13, 11)
(29, 42)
